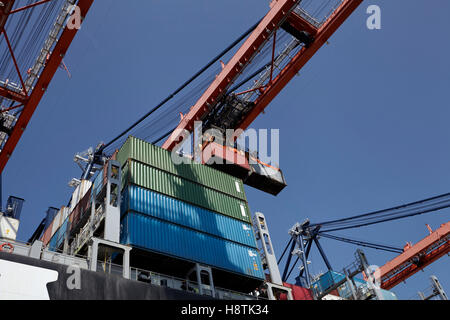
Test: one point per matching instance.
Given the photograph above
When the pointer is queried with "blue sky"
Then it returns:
(363, 127)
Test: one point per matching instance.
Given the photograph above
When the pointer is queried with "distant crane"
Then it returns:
(416, 257)
(411, 259)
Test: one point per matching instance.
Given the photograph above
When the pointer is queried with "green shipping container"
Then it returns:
(136, 173)
(160, 158)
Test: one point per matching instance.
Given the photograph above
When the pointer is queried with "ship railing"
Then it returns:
(65, 259)
(23, 249)
(305, 15)
(20, 248)
(99, 213)
(161, 280)
(85, 234)
(186, 285)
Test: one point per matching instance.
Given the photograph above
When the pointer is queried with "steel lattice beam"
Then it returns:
(12, 95)
(31, 103)
(416, 258)
(281, 12)
(298, 62)
(271, 22)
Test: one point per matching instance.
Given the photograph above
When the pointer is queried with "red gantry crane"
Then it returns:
(416, 257)
(284, 16)
(23, 97)
(218, 106)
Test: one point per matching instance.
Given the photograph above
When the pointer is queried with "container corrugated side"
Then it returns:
(163, 207)
(51, 213)
(100, 180)
(80, 210)
(52, 244)
(47, 234)
(57, 221)
(173, 240)
(326, 281)
(160, 158)
(61, 234)
(79, 193)
(163, 182)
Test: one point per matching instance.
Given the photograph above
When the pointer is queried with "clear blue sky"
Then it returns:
(364, 127)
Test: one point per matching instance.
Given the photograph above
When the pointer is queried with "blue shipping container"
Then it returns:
(58, 238)
(163, 207)
(145, 232)
(52, 245)
(98, 183)
(61, 234)
(326, 281)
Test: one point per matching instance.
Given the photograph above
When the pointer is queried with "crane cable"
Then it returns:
(390, 219)
(363, 243)
(402, 213)
(427, 203)
(169, 117)
(184, 85)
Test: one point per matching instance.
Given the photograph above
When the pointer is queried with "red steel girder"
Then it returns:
(41, 86)
(301, 24)
(5, 10)
(272, 21)
(303, 56)
(416, 258)
(29, 6)
(14, 61)
(12, 95)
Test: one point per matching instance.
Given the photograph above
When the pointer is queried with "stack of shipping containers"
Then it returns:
(58, 223)
(188, 211)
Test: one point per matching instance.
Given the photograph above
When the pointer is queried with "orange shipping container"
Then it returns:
(47, 234)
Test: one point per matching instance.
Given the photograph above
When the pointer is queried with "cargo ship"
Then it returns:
(147, 228)
(148, 222)
(143, 227)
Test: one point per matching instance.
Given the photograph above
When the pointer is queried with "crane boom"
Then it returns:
(281, 15)
(50, 64)
(243, 57)
(298, 62)
(416, 257)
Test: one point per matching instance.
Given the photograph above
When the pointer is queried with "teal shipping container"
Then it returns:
(169, 239)
(136, 173)
(163, 207)
(58, 238)
(326, 281)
